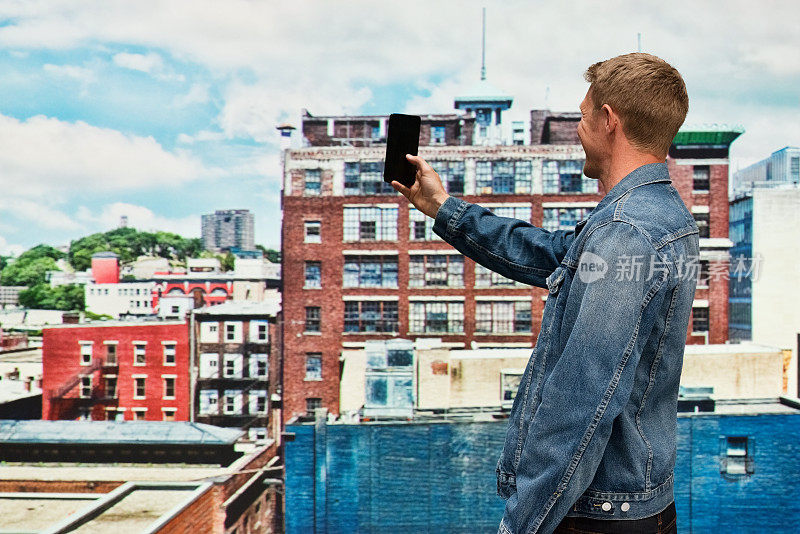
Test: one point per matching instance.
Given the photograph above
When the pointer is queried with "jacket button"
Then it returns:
(625, 507)
(606, 506)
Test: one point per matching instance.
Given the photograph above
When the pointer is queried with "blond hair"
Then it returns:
(647, 93)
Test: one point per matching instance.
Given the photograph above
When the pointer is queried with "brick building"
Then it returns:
(360, 263)
(236, 353)
(116, 370)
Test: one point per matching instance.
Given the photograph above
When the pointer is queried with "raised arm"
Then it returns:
(513, 248)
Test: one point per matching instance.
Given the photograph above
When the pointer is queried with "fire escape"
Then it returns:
(72, 399)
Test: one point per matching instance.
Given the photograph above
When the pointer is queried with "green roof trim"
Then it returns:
(707, 137)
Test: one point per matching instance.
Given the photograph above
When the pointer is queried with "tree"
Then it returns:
(43, 297)
(129, 244)
(228, 262)
(27, 271)
(271, 254)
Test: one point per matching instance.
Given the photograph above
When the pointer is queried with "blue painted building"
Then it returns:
(736, 472)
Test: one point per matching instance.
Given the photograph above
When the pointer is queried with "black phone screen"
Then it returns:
(402, 138)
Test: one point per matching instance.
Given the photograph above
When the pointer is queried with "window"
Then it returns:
(258, 401)
(175, 309)
(258, 434)
(435, 270)
(312, 404)
(421, 226)
(86, 353)
(233, 366)
(209, 365)
(139, 354)
(259, 331)
(313, 366)
(563, 218)
(452, 175)
(209, 401)
(370, 316)
(312, 319)
(436, 317)
(111, 387)
(365, 178)
(259, 366)
(169, 387)
(702, 274)
(370, 271)
(209, 332)
(233, 332)
(313, 275)
(111, 354)
(370, 223)
(233, 402)
(522, 213)
(86, 387)
(503, 177)
(702, 220)
(509, 385)
(699, 319)
(139, 387)
(700, 175)
(169, 354)
(437, 135)
(794, 170)
(488, 278)
(738, 455)
(168, 414)
(313, 182)
(503, 317)
(313, 232)
(566, 176)
(139, 414)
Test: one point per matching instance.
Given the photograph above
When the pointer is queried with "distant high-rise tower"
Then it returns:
(225, 230)
(123, 221)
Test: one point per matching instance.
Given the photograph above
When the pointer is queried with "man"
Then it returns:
(590, 444)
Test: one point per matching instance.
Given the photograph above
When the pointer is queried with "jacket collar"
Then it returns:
(646, 174)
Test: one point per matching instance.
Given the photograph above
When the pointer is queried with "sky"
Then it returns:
(165, 110)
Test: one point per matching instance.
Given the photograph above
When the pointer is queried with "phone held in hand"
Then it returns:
(402, 138)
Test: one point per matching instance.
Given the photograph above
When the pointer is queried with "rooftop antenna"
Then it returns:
(639, 40)
(483, 48)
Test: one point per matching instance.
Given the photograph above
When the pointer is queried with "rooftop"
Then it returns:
(730, 348)
(116, 432)
(109, 324)
(709, 135)
(231, 307)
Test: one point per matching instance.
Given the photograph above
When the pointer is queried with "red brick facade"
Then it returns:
(64, 364)
(330, 297)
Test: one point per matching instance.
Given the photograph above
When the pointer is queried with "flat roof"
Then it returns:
(116, 323)
(730, 348)
(32, 512)
(269, 307)
(116, 432)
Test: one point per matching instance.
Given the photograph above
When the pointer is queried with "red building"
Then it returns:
(116, 370)
(360, 264)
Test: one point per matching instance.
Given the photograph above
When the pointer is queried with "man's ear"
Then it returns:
(610, 118)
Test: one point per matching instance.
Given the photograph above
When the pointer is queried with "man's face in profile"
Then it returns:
(591, 133)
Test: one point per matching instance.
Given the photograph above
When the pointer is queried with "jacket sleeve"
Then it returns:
(590, 383)
(513, 248)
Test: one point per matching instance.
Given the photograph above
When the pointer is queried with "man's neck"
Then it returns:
(624, 164)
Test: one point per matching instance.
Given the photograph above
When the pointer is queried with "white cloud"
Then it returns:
(142, 62)
(41, 212)
(139, 217)
(43, 156)
(10, 249)
(198, 94)
(81, 74)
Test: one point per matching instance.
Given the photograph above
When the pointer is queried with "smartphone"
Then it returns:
(402, 138)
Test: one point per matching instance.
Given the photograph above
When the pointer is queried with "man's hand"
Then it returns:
(427, 193)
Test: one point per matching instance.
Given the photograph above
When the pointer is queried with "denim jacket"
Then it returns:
(592, 429)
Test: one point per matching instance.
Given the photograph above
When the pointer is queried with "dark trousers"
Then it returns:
(660, 523)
